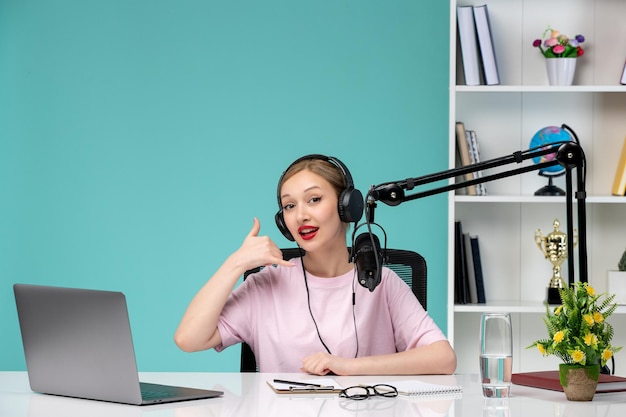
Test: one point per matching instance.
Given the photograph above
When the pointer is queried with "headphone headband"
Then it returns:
(336, 162)
(350, 204)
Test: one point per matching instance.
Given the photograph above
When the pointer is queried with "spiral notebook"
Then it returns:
(415, 388)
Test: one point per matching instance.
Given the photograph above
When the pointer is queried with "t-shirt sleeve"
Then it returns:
(413, 326)
(237, 322)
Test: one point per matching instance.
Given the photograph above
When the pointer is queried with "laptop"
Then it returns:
(78, 343)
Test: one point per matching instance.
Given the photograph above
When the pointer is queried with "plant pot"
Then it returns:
(579, 382)
(560, 70)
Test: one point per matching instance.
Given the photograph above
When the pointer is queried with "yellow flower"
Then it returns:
(590, 339)
(577, 330)
(578, 356)
(559, 336)
(598, 317)
(541, 348)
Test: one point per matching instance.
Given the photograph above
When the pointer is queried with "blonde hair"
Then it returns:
(327, 170)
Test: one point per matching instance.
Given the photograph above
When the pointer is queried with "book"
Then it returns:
(416, 388)
(485, 43)
(619, 182)
(474, 150)
(460, 295)
(305, 386)
(478, 270)
(469, 266)
(459, 178)
(550, 380)
(469, 44)
(463, 151)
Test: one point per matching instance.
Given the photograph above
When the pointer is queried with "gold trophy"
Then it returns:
(554, 247)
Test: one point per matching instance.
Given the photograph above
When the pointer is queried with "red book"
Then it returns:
(550, 380)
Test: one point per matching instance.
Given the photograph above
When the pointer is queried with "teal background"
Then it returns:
(138, 139)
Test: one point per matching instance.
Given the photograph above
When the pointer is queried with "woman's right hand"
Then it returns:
(198, 327)
(258, 250)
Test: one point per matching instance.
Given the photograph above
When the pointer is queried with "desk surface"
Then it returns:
(247, 395)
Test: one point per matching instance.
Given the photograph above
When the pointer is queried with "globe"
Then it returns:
(546, 137)
(549, 137)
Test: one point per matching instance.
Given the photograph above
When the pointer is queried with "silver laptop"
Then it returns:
(78, 343)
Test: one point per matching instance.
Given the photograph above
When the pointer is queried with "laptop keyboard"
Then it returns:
(155, 395)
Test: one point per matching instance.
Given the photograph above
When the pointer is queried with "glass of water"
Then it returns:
(496, 354)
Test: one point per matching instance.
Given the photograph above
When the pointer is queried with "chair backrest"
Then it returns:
(409, 265)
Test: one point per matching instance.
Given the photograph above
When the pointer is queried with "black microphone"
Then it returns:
(368, 260)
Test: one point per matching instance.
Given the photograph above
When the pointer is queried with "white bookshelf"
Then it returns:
(505, 118)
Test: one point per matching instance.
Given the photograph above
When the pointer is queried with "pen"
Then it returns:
(300, 384)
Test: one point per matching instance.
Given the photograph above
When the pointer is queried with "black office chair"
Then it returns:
(410, 266)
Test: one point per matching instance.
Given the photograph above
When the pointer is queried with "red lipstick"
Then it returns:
(307, 232)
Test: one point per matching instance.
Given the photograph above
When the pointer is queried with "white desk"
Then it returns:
(247, 395)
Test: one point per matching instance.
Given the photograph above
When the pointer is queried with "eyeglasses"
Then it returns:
(362, 392)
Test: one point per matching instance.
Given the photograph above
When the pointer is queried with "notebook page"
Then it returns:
(421, 388)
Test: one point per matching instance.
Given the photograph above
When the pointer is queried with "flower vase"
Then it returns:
(579, 382)
(560, 70)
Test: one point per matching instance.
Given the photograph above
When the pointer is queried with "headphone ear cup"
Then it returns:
(280, 223)
(350, 205)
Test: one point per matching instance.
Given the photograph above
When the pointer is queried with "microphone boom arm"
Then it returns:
(569, 154)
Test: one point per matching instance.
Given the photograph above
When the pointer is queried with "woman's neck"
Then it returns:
(328, 263)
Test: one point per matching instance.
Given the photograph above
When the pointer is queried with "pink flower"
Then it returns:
(551, 42)
(557, 45)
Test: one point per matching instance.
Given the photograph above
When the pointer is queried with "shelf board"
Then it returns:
(533, 199)
(541, 89)
(512, 306)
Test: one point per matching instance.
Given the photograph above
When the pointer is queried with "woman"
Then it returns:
(307, 314)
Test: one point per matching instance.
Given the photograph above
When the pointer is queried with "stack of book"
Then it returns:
(468, 153)
(468, 272)
(476, 42)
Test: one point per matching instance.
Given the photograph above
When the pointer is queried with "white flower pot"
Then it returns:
(616, 284)
(561, 70)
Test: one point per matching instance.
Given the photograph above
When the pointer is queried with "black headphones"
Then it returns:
(350, 203)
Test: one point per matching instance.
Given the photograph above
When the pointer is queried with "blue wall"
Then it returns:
(139, 138)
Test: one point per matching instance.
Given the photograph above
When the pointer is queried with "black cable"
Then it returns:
(308, 300)
(356, 354)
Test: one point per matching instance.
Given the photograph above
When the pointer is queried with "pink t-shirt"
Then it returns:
(269, 311)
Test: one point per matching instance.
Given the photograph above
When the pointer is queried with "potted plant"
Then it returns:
(560, 52)
(580, 336)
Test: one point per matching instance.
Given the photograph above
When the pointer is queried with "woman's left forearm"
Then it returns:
(437, 358)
